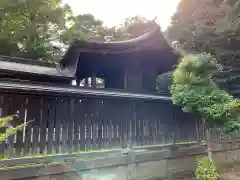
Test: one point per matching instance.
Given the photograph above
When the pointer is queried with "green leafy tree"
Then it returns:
(29, 28)
(131, 28)
(11, 130)
(206, 169)
(211, 26)
(84, 27)
(4, 123)
(196, 23)
(195, 91)
(87, 27)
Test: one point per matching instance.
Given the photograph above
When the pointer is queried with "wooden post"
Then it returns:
(209, 150)
(78, 82)
(93, 80)
(198, 132)
(125, 79)
(86, 82)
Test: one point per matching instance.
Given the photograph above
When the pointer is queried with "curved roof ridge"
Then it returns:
(143, 36)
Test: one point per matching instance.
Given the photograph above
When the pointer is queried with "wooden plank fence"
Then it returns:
(67, 124)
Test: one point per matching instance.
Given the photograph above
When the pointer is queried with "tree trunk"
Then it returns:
(209, 149)
(208, 133)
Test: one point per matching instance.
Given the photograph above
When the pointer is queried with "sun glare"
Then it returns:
(114, 12)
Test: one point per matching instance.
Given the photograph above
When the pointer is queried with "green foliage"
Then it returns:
(43, 29)
(194, 89)
(10, 131)
(84, 27)
(164, 81)
(211, 26)
(28, 28)
(206, 169)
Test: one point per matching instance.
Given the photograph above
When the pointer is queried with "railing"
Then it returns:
(68, 119)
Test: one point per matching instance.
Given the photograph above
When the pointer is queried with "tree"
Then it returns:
(210, 26)
(194, 23)
(4, 122)
(87, 27)
(29, 28)
(195, 91)
(131, 28)
(84, 27)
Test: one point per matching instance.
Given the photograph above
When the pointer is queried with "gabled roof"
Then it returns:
(152, 41)
(27, 66)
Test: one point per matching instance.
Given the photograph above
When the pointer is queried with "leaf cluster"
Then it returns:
(194, 89)
(11, 130)
(211, 26)
(206, 169)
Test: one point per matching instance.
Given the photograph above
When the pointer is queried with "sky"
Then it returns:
(114, 12)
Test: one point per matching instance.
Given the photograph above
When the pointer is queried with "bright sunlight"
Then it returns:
(114, 12)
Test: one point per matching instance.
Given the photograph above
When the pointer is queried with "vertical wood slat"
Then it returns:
(43, 126)
(109, 123)
(5, 112)
(77, 118)
(148, 122)
(137, 126)
(82, 124)
(11, 109)
(70, 124)
(100, 125)
(116, 122)
(133, 124)
(50, 123)
(92, 112)
(29, 117)
(64, 146)
(126, 122)
(58, 124)
(37, 121)
(96, 107)
(19, 134)
(120, 125)
(104, 124)
(140, 120)
(150, 125)
(87, 117)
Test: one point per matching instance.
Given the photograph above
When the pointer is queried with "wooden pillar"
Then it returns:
(132, 80)
(93, 80)
(125, 79)
(86, 82)
(149, 76)
(77, 82)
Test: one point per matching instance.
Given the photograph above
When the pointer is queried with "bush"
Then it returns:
(206, 169)
(10, 130)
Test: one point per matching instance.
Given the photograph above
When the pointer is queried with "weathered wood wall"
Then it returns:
(68, 123)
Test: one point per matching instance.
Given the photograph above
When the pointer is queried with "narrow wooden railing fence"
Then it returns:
(67, 123)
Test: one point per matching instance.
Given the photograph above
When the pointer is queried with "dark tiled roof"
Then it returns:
(151, 40)
(76, 91)
(37, 68)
